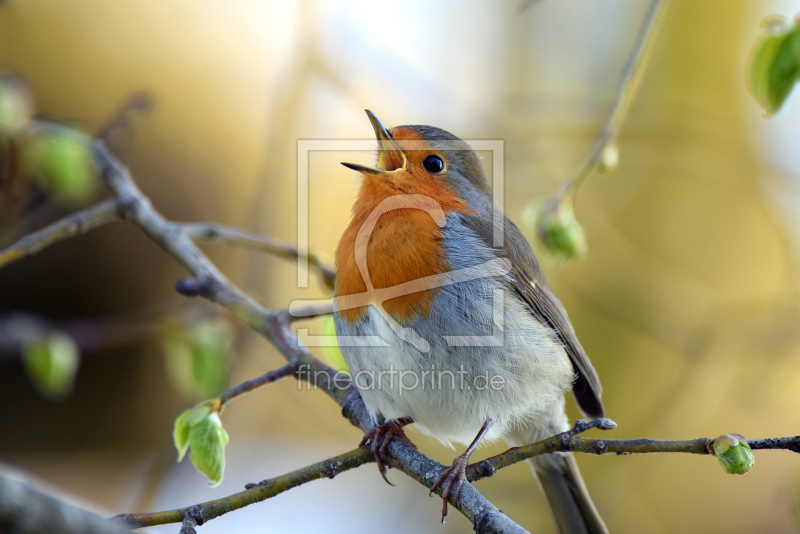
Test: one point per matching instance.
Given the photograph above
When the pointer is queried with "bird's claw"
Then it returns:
(379, 439)
(451, 481)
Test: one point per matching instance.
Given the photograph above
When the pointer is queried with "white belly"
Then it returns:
(481, 365)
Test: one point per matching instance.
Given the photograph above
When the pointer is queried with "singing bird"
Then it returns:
(447, 322)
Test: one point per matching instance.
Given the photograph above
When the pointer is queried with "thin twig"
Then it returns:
(73, 225)
(566, 443)
(303, 313)
(119, 127)
(350, 460)
(629, 82)
(247, 386)
(255, 492)
(108, 211)
(206, 232)
(192, 518)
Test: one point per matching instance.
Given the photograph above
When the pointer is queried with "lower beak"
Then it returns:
(363, 168)
(390, 157)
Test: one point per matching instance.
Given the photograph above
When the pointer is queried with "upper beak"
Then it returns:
(390, 157)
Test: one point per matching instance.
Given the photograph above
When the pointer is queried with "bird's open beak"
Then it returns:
(390, 157)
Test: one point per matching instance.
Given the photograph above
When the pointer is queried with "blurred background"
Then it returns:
(687, 301)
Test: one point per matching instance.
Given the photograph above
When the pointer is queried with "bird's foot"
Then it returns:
(582, 425)
(380, 437)
(454, 476)
(451, 481)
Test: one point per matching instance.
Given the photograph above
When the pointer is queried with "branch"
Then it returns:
(565, 442)
(290, 368)
(116, 131)
(629, 81)
(23, 510)
(108, 211)
(73, 225)
(215, 233)
(253, 493)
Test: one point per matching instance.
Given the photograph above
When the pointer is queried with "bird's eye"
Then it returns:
(433, 164)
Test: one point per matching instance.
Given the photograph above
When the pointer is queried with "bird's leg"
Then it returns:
(380, 437)
(455, 475)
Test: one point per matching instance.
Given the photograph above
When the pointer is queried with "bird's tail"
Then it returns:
(557, 473)
(570, 505)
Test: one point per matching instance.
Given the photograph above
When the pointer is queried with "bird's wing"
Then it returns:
(530, 284)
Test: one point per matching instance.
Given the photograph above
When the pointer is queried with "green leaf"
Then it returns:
(784, 69)
(766, 50)
(60, 160)
(734, 454)
(189, 418)
(198, 356)
(52, 362)
(180, 435)
(207, 440)
(211, 341)
(775, 66)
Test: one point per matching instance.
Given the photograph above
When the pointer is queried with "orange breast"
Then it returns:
(405, 244)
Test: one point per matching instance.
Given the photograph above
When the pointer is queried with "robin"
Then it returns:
(447, 322)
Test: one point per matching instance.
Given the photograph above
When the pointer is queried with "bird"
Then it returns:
(447, 323)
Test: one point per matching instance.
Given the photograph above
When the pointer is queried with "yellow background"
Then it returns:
(686, 303)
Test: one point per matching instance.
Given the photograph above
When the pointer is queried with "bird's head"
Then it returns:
(420, 159)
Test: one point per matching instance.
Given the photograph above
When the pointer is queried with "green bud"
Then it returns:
(200, 411)
(558, 230)
(332, 354)
(775, 65)
(16, 105)
(60, 160)
(609, 157)
(733, 453)
(199, 357)
(52, 362)
(188, 419)
(199, 429)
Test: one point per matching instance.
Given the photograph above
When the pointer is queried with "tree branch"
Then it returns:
(290, 368)
(73, 225)
(206, 232)
(629, 81)
(253, 493)
(24, 510)
(331, 467)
